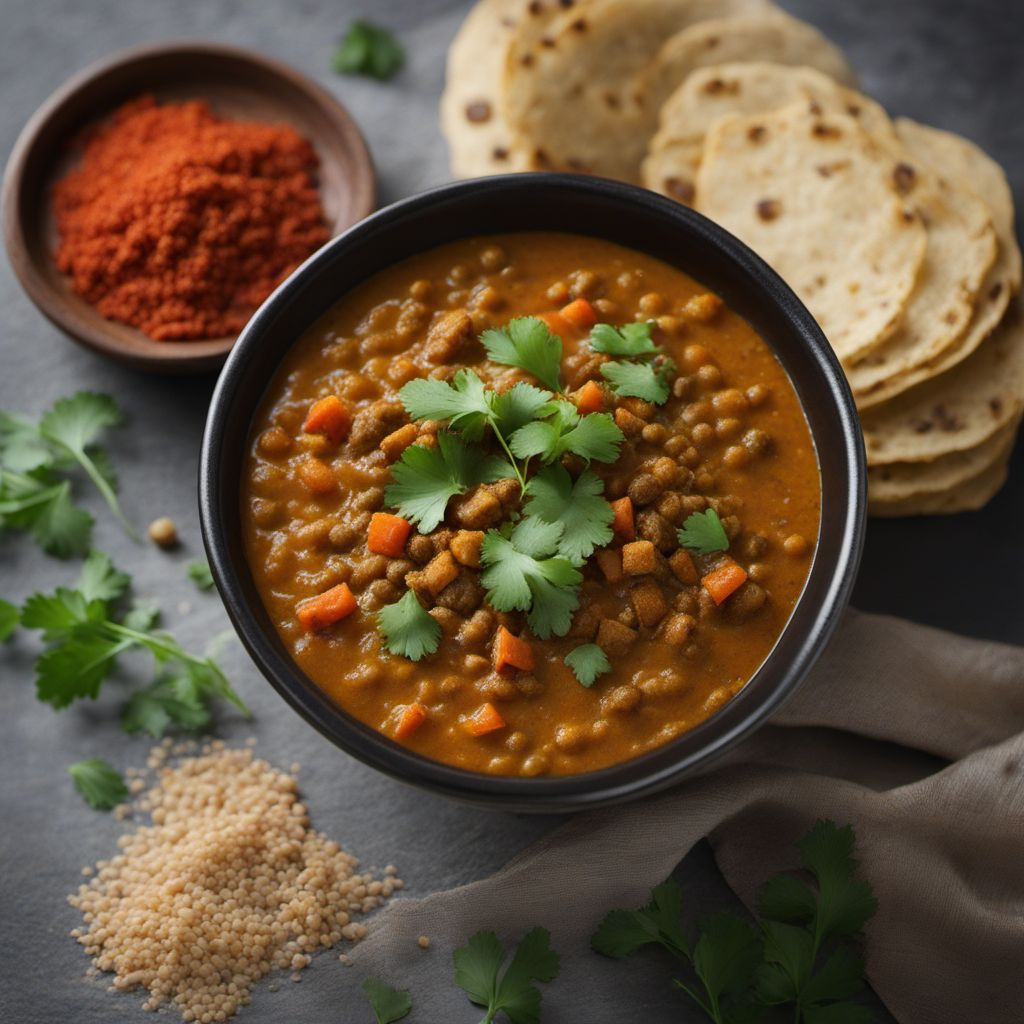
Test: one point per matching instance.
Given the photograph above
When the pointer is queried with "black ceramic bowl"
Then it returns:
(587, 206)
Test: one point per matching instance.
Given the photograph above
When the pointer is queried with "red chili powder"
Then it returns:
(181, 223)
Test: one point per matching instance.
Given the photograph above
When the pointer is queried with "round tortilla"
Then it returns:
(570, 92)
(817, 197)
(957, 410)
(967, 168)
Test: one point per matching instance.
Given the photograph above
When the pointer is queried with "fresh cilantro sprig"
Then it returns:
(586, 517)
(647, 381)
(642, 376)
(628, 341)
(478, 972)
(407, 629)
(367, 49)
(588, 661)
(703, 532)
(800, 954)
(527, 344)
(84, 638)
(593, 437)
(523, 573)
(388, 1004)
(102, 787)
(34, 496)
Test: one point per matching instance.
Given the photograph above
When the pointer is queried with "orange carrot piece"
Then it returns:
(511, 650)
(325, 609)
(387, 534)
(557, 324)
(590, 398)
(484, 720)
(580, 314)
(622, 523)
(410, 718)
(724, 580)
(330, 417)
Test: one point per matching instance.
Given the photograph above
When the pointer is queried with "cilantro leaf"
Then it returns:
(845, 903)
(170, 701)
(592, 437)
(44, 508)
(99, 580)
(629, 340)
(407, 629)
(526, 343)
(425, 479)
(369, 50)
(388, 1004)
(520, 573)
(703, 532)
(624, 931)
(478, 973)
(727, 954)
(9, 619)
(100, 785)
(638, 380)
(578, 506)
(199, 573)
(518, 406)
(588, 661)
(22, 450)
(463, 402)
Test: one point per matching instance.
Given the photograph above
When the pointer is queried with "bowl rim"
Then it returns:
(830, 588)
(196, 355)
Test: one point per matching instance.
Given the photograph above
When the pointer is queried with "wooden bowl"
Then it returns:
(238, 84)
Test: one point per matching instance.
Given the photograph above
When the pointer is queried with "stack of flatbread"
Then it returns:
(897, 236)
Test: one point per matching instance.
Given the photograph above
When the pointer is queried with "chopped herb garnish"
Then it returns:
(425, 479)
(10, 616)
(100, 785)
(588, 661)
(629, 341)
(199, 573)
(578, 506)
(639, 380)
(518, 406)
(512, 992)
(703, 532)
(367, 49)
(388, 1004)
(526, 343)
(463, 402)
(591, 437)
(522, 573)
(407, 629)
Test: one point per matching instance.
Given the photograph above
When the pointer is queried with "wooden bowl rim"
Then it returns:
(182, 356)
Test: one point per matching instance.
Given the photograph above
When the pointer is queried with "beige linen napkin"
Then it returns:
(942, 843)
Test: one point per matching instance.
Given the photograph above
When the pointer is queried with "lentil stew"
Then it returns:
(671, 508)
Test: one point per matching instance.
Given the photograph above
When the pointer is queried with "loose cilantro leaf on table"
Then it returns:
(10, 616)
(407, 629)
(638, 380)
(591, 437)
(100, 785)
(624, 931)
(199, 573)
(521, 573)
(368, 49)
(578, 506)
(425, 479)
(389, 1004)
(629, 340)
(526, 343)
(725, 958)
(703, 532)
(512, 992)
(43, 507)
(588, 661)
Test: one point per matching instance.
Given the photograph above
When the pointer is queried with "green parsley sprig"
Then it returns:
(800, 954)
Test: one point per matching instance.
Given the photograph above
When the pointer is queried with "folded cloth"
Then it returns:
(941, 841)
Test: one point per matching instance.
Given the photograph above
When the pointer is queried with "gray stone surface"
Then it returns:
(955, 65)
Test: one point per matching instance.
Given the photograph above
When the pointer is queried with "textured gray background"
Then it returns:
(955, 65)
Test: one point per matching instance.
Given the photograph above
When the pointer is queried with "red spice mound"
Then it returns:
(180, 223)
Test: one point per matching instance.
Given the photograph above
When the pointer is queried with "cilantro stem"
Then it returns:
(103, 486)
(13, 505)
(511, 458)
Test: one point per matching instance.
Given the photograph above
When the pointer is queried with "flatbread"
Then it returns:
(570, 94)
(967, 168)
(899, 481)
(957, 410)
(472, 115)
(746, 88)
(816, 196)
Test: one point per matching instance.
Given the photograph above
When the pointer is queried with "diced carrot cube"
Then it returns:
(724, 580)
(511, 650)
(484, 720)
(590, 398)
(325, 609)
(387, 534)
(580, 314)
(410, 718)
(557, 324)
(330, 417)
(622, 523)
